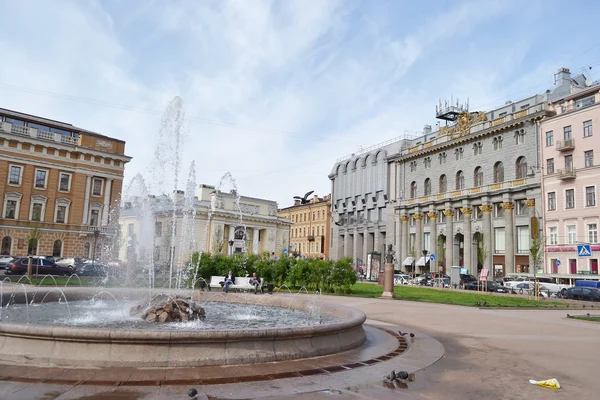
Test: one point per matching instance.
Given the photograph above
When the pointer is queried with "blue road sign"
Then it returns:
(285, 252)
(584, 250)
(558, 263)
(432, 257)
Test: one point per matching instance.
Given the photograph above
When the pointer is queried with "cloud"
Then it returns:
(274, 91)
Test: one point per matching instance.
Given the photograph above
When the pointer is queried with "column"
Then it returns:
(255, 241)
(449, 239)
(509, 235)
(487, 236)
(398, 240)
(468, 239)
(348, 246)
(86, 200)
(365, 248)
(106, 208)
(231, 236)
(418, 236)
(433, 240)
(378, 244)
(403, 240)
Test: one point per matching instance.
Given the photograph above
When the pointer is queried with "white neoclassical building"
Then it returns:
(211, 221)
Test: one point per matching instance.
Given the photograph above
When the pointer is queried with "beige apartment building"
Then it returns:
(59, 186)
(570, 148)
(310, 232)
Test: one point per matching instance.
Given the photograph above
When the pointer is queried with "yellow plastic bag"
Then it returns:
(548, 383)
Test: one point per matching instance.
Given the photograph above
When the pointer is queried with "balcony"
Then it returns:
(104, 230)
(567, 173)
(34, 133)
(565, 145)
(311, 238)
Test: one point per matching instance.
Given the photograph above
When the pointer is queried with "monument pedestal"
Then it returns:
(388, 284)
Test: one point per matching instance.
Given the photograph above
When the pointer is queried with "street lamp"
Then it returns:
(231, 248)
(96, 234)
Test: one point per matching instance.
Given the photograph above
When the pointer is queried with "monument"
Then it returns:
(388, 283)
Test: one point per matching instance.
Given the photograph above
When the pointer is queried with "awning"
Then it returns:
(422, 262)
(408, 261)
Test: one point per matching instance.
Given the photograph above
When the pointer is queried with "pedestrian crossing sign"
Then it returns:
(584, 250)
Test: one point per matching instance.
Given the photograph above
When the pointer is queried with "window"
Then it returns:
(521, 207)
(571, 234)
(15, 174)
(86, 250)
(497, 143)
(592, 233)
(413, 166)
(477, 213)
(427, 187)
(427, 241)
(158, 229)
(57, 248)
(36, 211)
(443, 184)
(521, 168)
(94, 217)
(460, 180)
(498, 172)
(10, 209)
(553, 235)
(523, 239)
(499, 241)
(6, 246)
(570, 198)
(589, 158)
(442, 157)
(551, 201)
(413, 190)
(549, 138)
(550, 166)
(426, 219)
(441, 216)
(587, 128)
(427, 162)
(40, 178)
(13, 121)
(498, 210)
(519, 138)
(477, 147)
(97, 187)
(459, 153)
(478, 177)
(61, 214)
(64, 182)
(590, 196)
(569, 162)
(567, 134)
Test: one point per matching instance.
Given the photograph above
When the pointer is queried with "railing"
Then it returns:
(109, 230)
(38, 134)
(567, 144)
(566, 173)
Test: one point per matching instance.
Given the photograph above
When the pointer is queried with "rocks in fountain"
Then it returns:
(164, 309)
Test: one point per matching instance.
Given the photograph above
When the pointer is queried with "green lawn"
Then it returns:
(462, 298)
(593, 318)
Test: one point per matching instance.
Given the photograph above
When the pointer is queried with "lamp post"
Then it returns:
(231, 248)
(96, 234)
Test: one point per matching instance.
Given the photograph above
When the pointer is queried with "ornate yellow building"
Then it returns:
(59, 184)
(310, 232)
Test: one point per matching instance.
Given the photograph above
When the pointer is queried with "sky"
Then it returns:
(275, 91)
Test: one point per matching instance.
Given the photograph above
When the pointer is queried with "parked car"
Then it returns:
(546, 283)
(39, 266)
(91, 269)
(466, 278)
(401, 279)
(481, 285)
(503, 280)
(438, 282)
(72, 262)
(5, 261)
(583, 293)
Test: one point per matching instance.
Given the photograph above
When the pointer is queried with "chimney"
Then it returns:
(296, 202)
(315, 198)
(427, 129)
(562, 77)
(178, 196)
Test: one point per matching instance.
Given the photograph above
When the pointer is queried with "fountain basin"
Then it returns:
(68, 346)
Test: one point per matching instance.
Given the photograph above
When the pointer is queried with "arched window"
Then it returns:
(498, 172)
(32, 247)
(413, 190)
(521, 167)
(6, 246)
(460, 180)
(86, 250)
(57, 248)
(427, 187)
(443, 184)
(478, 177)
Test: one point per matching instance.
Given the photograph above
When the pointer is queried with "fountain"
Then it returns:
(174, 326)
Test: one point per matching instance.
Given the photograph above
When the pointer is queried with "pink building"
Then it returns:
(570, 153)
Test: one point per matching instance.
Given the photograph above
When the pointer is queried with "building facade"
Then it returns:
(310, 232)
(570, 149)
(60, 185)
(360, 199)
(209, 221)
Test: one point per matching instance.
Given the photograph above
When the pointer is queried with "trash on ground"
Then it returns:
(548, 383)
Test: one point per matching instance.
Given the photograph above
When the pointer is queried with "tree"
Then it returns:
(536, 251)
(482, 251)
(32, 240)
(219, 241)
